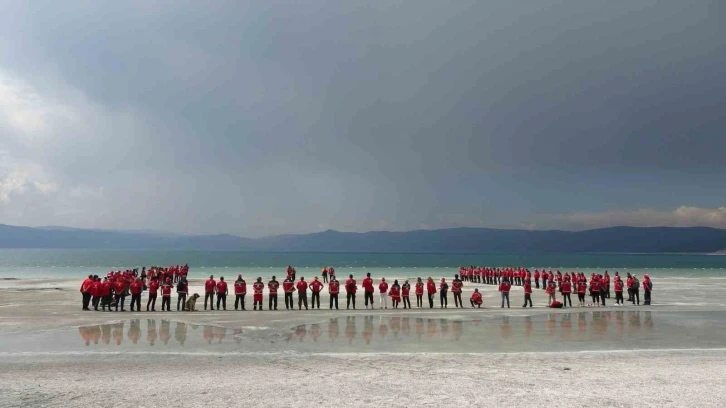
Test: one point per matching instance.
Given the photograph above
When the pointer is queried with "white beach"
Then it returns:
(640, 356)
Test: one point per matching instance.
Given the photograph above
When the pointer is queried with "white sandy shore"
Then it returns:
(188, 379)
(621, 380)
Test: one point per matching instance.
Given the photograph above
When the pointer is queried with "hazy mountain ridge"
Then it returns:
(461, 240)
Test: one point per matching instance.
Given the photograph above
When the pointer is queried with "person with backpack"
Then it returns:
(647, 288)
(258, 288)
(333, 289)
(629, 287)
(302, 293)
(350, 288)
(240, 290)
(456, 288)
(272, 287)
(635, 289)
(504, 288)
(395, 294)
(419, 290)
(405, 290)
(182, 289)
(431, 291)
(444, 293)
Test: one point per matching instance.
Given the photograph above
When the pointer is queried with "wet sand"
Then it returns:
(670, 354)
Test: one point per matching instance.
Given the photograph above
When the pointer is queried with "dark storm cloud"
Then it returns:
(269, 117)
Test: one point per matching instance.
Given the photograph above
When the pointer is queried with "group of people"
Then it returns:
(112, 290)
(552, 283)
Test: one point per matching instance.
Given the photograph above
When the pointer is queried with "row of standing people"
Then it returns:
(399, 294)
(116, 289)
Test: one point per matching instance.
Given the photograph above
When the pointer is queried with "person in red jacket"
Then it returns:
(222, 291)
(431, 291)
(96, 292)
(566, 290)
(456, 287)
(368, 290)
(86, 292)
(581, 290)
(383, 293)
(527, 293)
(476, 299)
(405, 290)
(240, 290)
(153, 290)
(135, 288)
(350, 288)
(419, 293)
(302, 293)
(551, 291)
(603, 289)
(504, 288)
(288, 286)
(395, 294)
(272, 287)
(257, 287)
(315, 287)
(119, 290)
(618, 291)
(106, 294)
(333, 289)
(166, 288)
(209, 287)
(595, 290)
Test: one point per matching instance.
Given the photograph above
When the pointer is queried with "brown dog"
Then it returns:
(191, 303)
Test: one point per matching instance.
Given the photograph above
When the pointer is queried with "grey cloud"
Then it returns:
(272, 117)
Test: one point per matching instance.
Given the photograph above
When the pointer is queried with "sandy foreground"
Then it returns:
(663, 379)
(468, 375)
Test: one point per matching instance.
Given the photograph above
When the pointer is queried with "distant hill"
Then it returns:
(454, 240)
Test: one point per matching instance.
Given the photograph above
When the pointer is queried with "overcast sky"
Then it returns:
(267, 117)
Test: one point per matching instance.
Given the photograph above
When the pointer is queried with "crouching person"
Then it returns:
(476, 299)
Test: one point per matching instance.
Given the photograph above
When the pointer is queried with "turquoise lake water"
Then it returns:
(70, 263)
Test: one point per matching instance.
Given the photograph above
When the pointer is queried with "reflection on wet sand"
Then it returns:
(155, 331)
(559, 326)
(373, 329)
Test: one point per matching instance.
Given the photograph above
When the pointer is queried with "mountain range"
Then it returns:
(453, 240)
